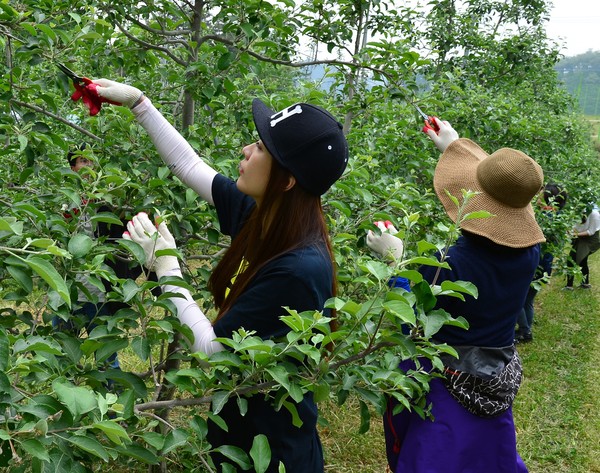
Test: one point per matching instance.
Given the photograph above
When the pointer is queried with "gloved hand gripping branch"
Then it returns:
(386, 244)
(95, 93)
(443, 136)
(117, 93)
(152, 239)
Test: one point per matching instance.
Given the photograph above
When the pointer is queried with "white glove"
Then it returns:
(142, 231)
(387, 244)
(118, 93)
(444, 136)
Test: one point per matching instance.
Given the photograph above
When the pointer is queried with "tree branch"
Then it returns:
(248, 389)
(145, 406)
(154, 47)
(156, 31)
(281, 62)
(56, 117)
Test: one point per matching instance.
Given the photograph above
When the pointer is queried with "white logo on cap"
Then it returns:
(286, 113)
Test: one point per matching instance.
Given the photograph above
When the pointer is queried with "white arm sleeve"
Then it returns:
(594, 222)
(591, 225)
(190, 314)
(175, 151)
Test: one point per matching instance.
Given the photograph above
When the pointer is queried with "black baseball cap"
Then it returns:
(306, 140)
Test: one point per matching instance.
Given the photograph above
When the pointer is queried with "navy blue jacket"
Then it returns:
(502, 276)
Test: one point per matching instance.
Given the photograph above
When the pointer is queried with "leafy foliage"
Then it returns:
(487, 69)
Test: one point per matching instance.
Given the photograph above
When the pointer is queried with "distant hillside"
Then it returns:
(581, 76)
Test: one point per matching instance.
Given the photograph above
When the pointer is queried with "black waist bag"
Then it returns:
(483, 380)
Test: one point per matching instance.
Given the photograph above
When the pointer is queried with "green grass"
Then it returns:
(557, 411)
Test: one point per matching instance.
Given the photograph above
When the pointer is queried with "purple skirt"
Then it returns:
(456, 441)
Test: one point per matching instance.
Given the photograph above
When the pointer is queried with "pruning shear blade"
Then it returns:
(69, 73)
(423, 114)
(429, 121)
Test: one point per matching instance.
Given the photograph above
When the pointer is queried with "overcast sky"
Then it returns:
(577, 23)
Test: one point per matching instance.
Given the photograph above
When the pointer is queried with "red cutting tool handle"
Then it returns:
(89, 95)
(431, 124)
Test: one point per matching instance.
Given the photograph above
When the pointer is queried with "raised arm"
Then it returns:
(142, 231)
(174, 150)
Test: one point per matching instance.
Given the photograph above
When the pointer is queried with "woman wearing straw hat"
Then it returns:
(280, 255)
(472, 429)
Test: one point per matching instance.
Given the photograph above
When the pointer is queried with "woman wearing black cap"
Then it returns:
(280, 254)
(472, 427)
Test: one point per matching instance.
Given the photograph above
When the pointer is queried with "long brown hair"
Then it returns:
(285, 220)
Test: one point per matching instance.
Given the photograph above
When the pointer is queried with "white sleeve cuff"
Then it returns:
(190, 314)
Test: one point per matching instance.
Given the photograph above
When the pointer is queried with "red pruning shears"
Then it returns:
(430, 122)
(85, 89)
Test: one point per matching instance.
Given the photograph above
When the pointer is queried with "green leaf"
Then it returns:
(225, 60)
(76, 17)
(378, 269)
(37, 344)
(130, 290)
(21, 277)
(260, 453)
(36, 449)
(78, 400)
(402, 310)
(280, 375)
(4, 351)
(113, 430)
(425, 297)
(89, 445)
(342, 207)
(139, 453)
(106, 217)
(477, 214)
(424, 246)
(235, 454)
(40, 242)
(71, 348)
(218, 420)
(92, 35)
(49, 32)
(434, 322)
(174, 439)
(10, 225)
(218, 400)
(321, 391)
(141, 347)
(411, 274)
(460, 286)
(8, 13)
(110, 347)
(41, 426)
(427, 262)
(45, 270)
(134, 248)
(365, 418)
(296, 420)
(154, 439)
(23, 142)
(452, 198)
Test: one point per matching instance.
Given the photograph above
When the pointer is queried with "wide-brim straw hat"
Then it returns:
(506, 182)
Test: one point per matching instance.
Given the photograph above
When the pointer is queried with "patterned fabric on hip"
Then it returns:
(483, 380)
